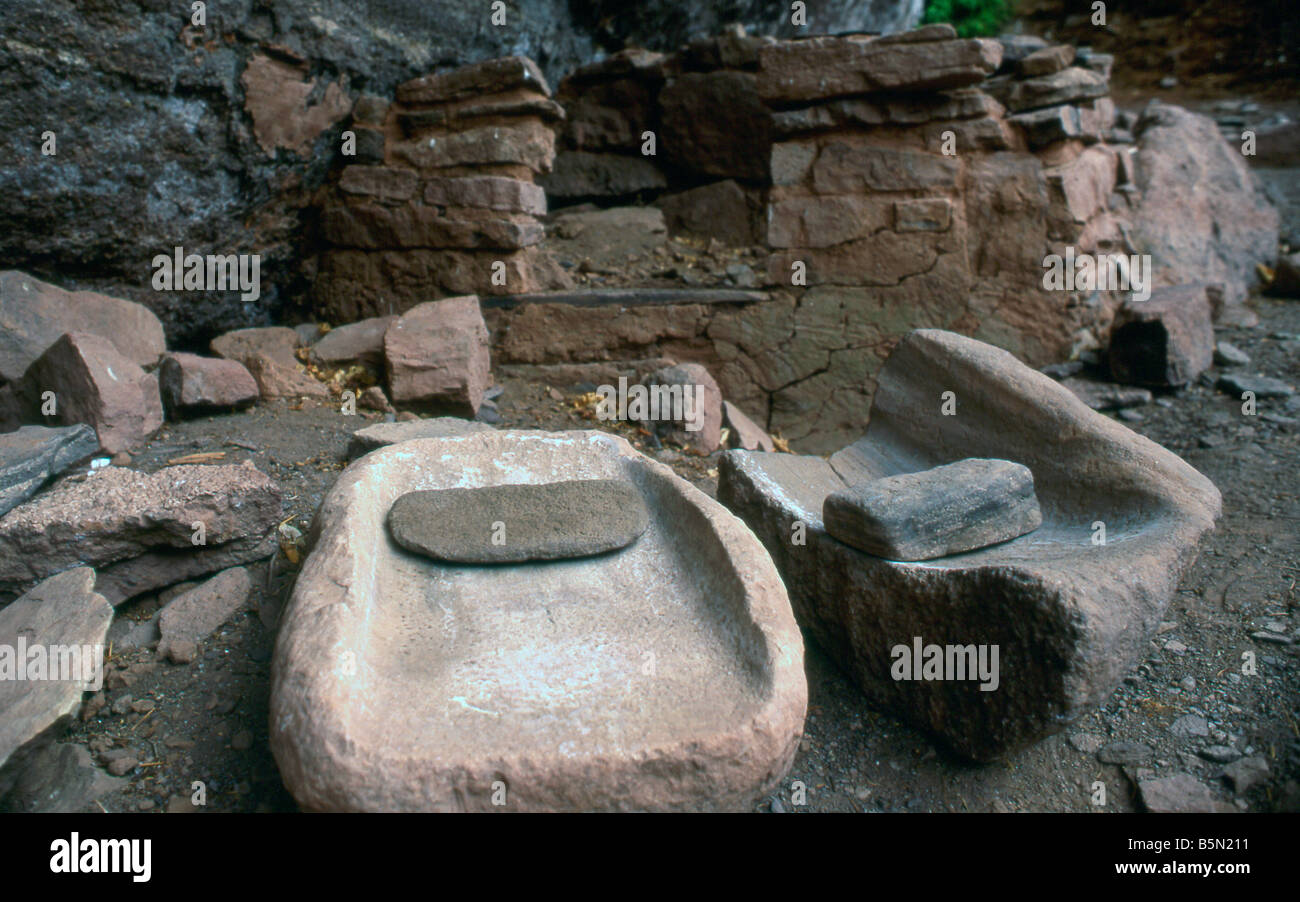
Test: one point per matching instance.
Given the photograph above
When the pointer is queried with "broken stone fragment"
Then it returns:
(93, 383)
(380, 435)
(437, 355)
(507, 524)
(190, 382)
(32, 454)
(278, 380)
(689, 412)
(35, 314)
(748, 434)
(373, 398)
(277, 342)
(1047, 126)
(1067, 86)
(58, 778)
(269, 355)
(360, 342)
(1180, 793)
(950, 509)
(62, 612)
(1016, 47)
(196, 614)
(1260, 386)
(1286, 276)
(1245, 773)
(168, 523)
(1047, 61)
(1106, 395)
(1166, 340)
(570, 685)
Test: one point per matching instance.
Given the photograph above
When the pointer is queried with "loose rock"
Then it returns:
(192, 383)
(65, 611)
(1181, 793)
(93, 383)
(748, 434)
(700, 425)
(36, 313)
(196, 614)
(32, 454)
(1166, 340)
(437, 354)
(1261, 386)
(361, 342)
(140, 527)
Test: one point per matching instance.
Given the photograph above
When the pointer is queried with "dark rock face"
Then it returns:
(213, 137)
(666, 26)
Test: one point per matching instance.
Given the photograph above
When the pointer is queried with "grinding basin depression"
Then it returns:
(664, 675)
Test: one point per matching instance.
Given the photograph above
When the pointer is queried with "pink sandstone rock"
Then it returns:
(400, 684)
(93, 383)
(437, 355)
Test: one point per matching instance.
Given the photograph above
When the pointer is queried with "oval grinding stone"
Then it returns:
(507, 524)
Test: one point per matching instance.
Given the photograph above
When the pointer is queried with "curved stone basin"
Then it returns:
(1069, 616)
(667, 674)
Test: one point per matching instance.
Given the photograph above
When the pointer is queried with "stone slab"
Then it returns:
(32, 454)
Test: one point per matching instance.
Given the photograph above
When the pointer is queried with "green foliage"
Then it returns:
(971, 18)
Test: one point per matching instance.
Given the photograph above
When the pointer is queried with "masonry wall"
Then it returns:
(894, 183)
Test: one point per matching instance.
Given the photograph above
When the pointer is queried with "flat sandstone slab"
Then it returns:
(137, 528)
(380, 435)
(666, 675)
(944, 510)
(65, 612)
(506, 524)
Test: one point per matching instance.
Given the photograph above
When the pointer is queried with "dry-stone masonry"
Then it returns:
(443, 200)
(917, 180)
